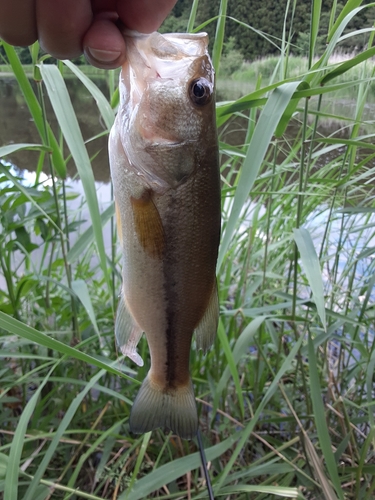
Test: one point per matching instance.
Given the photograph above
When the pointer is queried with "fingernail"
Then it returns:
(102, 56)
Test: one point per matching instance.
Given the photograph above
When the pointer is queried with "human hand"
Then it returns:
(68, 28)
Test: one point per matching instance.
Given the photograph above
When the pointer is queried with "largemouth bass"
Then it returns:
(164, 164)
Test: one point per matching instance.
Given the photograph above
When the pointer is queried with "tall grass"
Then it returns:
(286, 394)
(267, 68)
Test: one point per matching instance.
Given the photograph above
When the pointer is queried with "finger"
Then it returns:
(103, 6)
(144, 15)
(18, 29)
(104, 46)
(62, 25)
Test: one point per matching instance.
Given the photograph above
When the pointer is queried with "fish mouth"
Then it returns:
(164, 56)
(167, 45)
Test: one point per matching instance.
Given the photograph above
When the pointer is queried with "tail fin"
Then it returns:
(174, 410)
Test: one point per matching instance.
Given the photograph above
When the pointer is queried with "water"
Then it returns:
(16, 125)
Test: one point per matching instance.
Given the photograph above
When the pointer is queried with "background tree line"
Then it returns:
(266, 16)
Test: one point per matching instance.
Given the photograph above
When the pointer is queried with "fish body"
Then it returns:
(164, 164)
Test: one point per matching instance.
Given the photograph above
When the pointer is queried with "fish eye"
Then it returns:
(200, 91)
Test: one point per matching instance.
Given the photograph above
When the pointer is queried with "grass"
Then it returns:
(285, 396)
(91, 71)
(243, 79)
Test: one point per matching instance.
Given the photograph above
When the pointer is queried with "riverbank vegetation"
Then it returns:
(286, 394)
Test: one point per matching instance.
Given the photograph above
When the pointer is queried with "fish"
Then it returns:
(163, 151)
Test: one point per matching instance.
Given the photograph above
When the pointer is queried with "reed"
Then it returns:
(285, 396)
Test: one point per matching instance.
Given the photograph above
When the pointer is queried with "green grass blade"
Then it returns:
(81, 290)
(366, 446)
(240, 349)
(141, 454)
(347, 65)
(4, 461)
(104, 107)
(170, 472)
(202, 26)
(321, 422)
(290, 110)
(86, 238)
(193, 13)
(66, 117)
(350, 7)
(12, 148)
(347, 14)
(245, 434)
(314, 27)
(35, 110)
(115, 428)
(311, 266)
(253, 100)
(219, 35)
(317, 466)
(77, 401)
(13, 466)
(370, 387)
(257, 149)
(277, 491)
(115, 99)
(230, 370)
(24, 191)
(27, 332)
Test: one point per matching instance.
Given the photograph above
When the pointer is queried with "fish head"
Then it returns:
(167, 105)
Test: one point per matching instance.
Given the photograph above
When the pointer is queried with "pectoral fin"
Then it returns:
(148, 225)
(127, 333)
(207, 328)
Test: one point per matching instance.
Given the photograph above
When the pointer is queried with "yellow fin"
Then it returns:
(148, 225)
(174, 410)
(207, 328)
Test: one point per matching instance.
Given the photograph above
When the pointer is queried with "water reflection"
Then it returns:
(16, 125)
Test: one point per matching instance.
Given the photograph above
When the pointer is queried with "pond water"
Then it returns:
(16, 124)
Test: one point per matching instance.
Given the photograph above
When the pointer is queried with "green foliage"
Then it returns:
(24, 55)
(231, 60)
(285, 396)
(303, 44)
(260, 30)
(174, 25)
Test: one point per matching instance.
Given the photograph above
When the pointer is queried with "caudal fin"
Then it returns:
(174, 410)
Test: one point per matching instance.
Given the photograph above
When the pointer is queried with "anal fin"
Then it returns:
(205, 332)
(127, 332)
